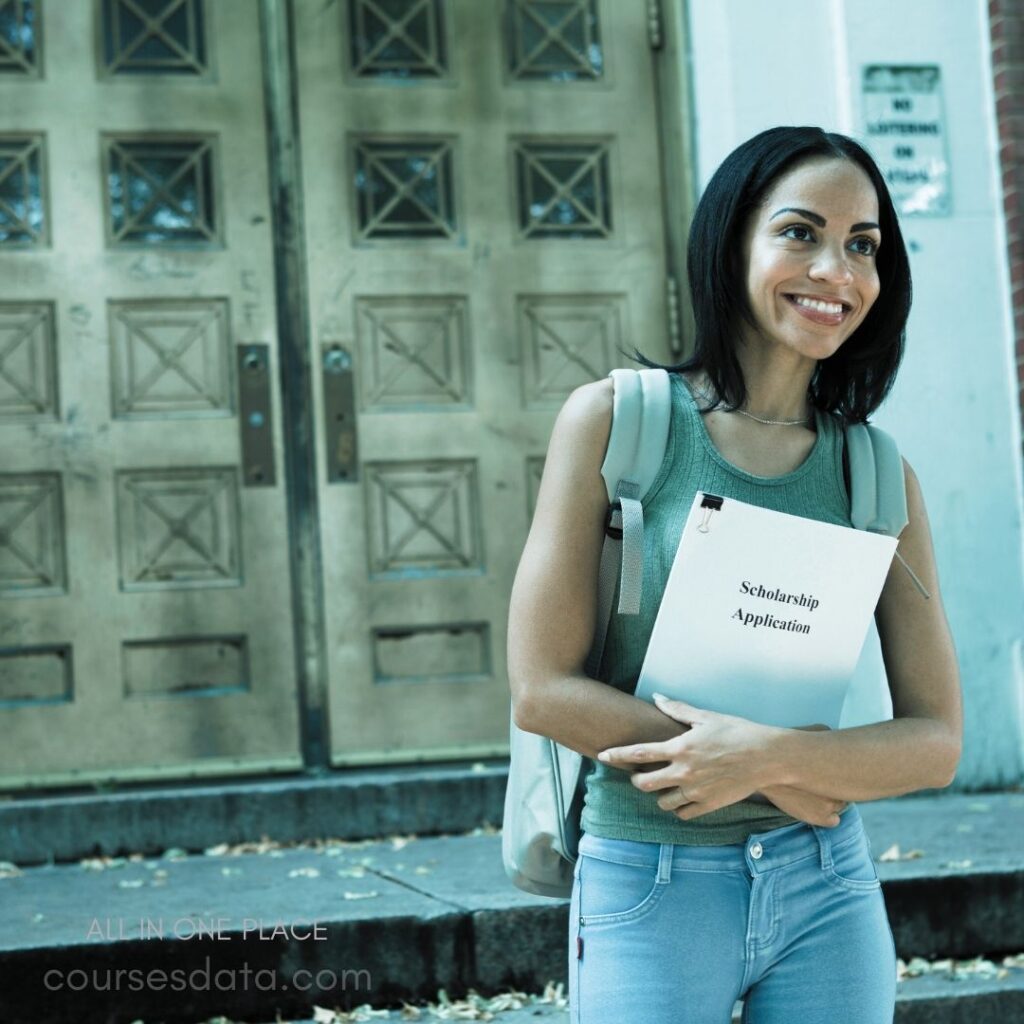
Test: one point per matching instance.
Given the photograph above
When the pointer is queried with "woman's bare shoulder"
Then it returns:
(591, 402)
(586, 416)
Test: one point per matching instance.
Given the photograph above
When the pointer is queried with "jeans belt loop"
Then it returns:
(665, 863)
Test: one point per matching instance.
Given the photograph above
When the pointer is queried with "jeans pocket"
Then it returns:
(610, 892)
(851, 866)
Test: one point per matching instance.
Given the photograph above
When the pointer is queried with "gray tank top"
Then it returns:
(614, 808)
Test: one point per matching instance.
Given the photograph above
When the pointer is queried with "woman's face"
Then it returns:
(810, 252)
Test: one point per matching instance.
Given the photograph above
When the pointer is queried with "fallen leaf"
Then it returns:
(321, 1015)
(358, 871)
(957, 970)
(555, 994)
(486, 829)
(893, 853)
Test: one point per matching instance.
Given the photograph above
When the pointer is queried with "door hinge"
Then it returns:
(675, 335)
(654, 26)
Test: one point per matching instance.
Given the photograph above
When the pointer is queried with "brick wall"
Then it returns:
(1006, 20)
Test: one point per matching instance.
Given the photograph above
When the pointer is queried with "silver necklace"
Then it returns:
(774, 423)
(706, 394)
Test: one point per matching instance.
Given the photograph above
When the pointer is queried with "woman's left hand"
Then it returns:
(717, 762)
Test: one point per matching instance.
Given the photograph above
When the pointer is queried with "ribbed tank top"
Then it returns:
(614, 808)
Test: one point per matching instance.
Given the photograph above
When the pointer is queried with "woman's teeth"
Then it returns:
(822, 307)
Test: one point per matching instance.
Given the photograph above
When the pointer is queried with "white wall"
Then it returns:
(954, 409)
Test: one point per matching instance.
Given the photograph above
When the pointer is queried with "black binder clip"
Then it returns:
(711, 503)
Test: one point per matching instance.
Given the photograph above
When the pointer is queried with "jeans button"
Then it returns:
(756, 850)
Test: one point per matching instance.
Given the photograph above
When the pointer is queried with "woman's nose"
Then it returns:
(831, 265)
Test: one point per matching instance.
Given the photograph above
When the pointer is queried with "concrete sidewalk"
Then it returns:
(401, 918)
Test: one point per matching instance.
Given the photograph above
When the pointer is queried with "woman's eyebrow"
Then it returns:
(816, 218)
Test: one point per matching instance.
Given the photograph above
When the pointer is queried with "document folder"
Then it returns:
(764, 613)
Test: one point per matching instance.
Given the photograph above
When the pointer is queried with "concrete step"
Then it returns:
(400, 919)
(934, 999)
(359, 803)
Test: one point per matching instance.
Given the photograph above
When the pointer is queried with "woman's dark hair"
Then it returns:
(854, 380)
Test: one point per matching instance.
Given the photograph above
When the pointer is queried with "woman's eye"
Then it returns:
(799, 232)
(864, 246)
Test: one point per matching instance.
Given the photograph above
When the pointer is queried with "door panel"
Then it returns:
(145, 608)
(484, 232)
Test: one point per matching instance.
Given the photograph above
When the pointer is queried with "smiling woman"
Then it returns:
(721, 858)
(810, 252)
(816, 202)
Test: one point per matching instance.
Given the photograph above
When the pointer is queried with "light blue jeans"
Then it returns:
(793, 922)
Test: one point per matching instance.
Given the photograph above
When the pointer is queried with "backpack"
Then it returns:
(545, 790)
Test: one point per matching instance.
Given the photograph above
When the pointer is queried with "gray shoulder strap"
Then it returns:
(640, 423)
(641, 416)
(878, 495)
(636, 447)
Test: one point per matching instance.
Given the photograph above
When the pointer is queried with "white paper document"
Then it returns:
(764, 613)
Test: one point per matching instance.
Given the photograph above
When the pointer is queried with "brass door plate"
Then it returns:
(257, 434)
(340, 437)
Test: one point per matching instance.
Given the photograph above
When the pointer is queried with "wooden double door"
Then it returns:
(283, 332)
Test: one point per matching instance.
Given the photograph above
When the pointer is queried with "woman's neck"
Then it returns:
(777, 384)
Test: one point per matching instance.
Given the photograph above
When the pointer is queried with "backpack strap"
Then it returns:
(877, 486)
(636, 447)
(878, 495)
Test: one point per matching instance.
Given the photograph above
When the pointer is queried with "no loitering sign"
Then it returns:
(905, 127)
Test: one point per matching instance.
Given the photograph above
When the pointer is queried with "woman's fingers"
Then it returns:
(678, 709)
(673, 799)
(660, 778)
(638, 753)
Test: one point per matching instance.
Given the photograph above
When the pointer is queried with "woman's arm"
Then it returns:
(920, 748)
(553, 607)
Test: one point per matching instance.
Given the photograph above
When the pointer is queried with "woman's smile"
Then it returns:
(830, 312)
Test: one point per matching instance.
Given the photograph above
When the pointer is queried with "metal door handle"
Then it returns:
(340, 435)
(254, 416)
